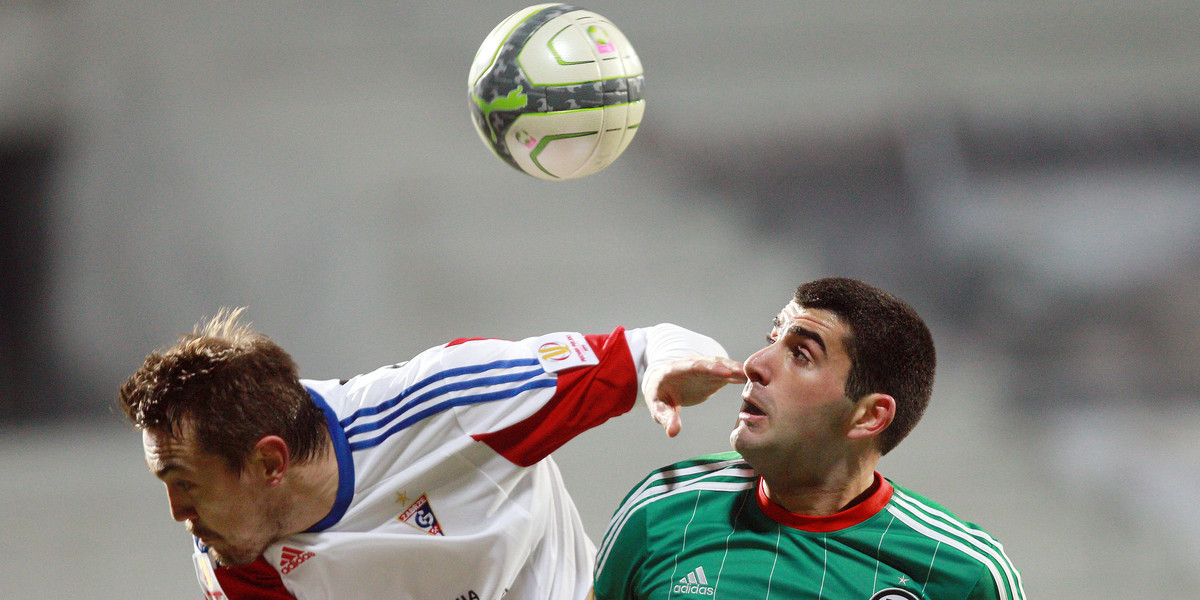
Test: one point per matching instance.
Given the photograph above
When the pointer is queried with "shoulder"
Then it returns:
(964, 546)
(655, 506)
(721, 466)
(723, 472)
(440, 369)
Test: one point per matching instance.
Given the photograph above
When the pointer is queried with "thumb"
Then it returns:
(668, 416)
(675, 424)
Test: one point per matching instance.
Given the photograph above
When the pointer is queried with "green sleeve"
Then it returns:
(988, 588)
(985, 589)
(619, 563)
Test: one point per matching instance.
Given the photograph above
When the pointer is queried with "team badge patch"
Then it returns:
(559, 351)
(419, 514)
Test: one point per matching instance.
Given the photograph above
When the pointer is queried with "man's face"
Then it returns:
(794, 406)
(228, 511)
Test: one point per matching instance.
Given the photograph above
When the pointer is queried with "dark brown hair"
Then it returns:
(891, 349)
(232, 386)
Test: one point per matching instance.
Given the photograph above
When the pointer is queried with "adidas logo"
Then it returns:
(293, 558)
(694, 583)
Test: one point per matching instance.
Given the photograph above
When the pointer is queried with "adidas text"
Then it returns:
(694, 583)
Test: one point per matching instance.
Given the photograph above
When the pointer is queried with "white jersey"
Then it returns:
(447, 490)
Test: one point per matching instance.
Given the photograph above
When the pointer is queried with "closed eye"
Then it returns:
(183, 486)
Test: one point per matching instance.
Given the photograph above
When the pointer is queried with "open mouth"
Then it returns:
(751, 408)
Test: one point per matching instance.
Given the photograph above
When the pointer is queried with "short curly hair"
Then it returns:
(232, 386)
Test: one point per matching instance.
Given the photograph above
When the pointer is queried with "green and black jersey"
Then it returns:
(703, 529)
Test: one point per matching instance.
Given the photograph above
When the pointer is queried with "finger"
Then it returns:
(662, 412)
(666, 415)
(732, 370)
(674, 425)
(717, 366)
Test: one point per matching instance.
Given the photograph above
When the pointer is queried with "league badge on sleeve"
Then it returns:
(564, 350)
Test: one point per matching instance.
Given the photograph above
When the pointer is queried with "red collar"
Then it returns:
(880, 495)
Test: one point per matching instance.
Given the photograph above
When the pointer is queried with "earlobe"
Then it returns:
(875, 412)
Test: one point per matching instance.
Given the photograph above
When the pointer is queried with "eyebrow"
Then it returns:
(808, 333)
(803, 332)
(164, 470)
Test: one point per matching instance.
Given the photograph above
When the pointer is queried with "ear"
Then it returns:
(873, 414)
(272, 457)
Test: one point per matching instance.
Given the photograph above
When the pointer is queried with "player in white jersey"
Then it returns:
(428, 479)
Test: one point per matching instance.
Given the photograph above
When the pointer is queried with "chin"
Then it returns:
(747, 442)
(739, 439)
(232, 557)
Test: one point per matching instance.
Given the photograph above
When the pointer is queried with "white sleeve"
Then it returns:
(665, 342)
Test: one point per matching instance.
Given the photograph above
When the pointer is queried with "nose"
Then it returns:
(756, 366)
(181, 508)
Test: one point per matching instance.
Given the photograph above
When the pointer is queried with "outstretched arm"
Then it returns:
(683, 368)
(686, 382)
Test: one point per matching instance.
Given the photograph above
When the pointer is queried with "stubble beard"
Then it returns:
(739, 437)
(244, 552)
(232, 557)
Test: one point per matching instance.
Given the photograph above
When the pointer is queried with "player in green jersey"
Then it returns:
(799, 511)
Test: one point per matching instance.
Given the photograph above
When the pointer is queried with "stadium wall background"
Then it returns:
(1026, 173)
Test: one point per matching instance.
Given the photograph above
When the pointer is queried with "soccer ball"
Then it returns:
(556, 91)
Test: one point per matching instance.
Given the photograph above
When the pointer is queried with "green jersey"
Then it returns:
(704, 529)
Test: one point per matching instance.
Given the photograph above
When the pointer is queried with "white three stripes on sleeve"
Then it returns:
(973, 542)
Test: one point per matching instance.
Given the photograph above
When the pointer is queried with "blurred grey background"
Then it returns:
(1027, 174)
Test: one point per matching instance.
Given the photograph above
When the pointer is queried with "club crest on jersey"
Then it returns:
(564, 350)
(894, 594)
(419, 514)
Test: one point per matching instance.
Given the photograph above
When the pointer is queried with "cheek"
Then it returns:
(228, 501)
(237, 520)
(817, 411)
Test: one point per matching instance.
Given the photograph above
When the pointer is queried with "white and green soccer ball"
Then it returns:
(556, 91)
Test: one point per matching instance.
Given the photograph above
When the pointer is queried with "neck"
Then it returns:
(821, 500)
(822, 493)
(312, 490)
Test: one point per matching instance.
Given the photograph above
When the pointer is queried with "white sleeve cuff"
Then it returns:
(665, 342)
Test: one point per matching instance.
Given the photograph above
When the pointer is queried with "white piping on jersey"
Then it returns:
(824, 564)
(732, 530)
(683, 544)
(879, 550)
(644, 495)
(363, 427)
(955, 543)
(977, 537)
(774, 561)
(929, 571)
(716, 585)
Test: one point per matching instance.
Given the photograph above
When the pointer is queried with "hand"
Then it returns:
(686, 382)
